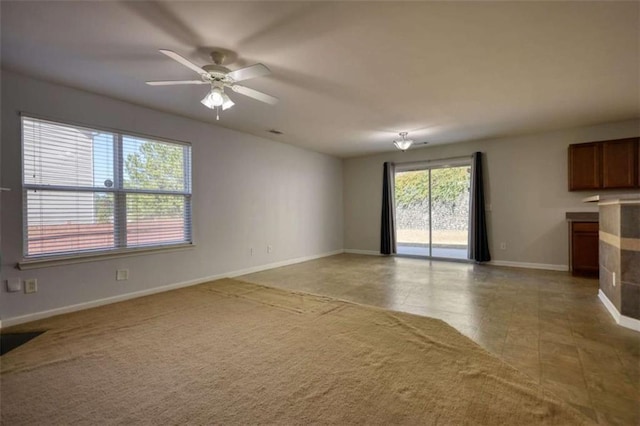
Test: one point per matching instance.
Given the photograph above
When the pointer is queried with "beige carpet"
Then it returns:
(230, 352)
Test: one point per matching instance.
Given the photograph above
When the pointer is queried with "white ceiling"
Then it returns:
(350, 75)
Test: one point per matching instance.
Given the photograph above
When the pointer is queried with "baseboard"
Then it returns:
(620, 319)
(8, 322)
(629, 322)
(545, 266)
(281, 264)
(609, 305)
(366, 252)
(549, 267)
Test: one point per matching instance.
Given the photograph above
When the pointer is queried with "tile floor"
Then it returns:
(548, 324)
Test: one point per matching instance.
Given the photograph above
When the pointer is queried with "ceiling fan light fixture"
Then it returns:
(214, 98)
(226, 102)
(403, 144)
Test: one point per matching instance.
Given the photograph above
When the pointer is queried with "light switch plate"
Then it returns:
(14, 285)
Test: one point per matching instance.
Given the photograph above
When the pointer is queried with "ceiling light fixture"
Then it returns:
(404, 143)
(215, 99)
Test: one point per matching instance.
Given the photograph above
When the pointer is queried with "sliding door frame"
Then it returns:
(429, 165)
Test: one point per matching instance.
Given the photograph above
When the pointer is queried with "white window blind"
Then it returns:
(89, 190)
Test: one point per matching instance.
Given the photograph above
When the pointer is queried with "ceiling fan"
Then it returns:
(219, 77)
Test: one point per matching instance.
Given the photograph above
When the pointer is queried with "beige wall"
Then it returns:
(526, 182)
(248, 192)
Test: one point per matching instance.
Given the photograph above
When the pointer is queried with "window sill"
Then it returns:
(91, 257)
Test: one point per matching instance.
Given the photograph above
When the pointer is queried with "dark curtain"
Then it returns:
(388, 225)
(478, 236)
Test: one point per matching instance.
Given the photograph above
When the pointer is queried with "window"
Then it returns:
(89, 190)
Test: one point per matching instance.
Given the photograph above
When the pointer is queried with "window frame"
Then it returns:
(119, 192)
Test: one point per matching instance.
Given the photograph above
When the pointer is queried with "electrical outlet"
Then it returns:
(14, 285)
(269, 248)
(122, 274)
(614, 279)
(30, 286)
(503, 246)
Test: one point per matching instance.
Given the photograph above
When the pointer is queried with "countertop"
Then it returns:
(611, 197)
(582, 216)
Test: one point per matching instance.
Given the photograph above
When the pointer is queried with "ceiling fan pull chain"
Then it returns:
(217, 113)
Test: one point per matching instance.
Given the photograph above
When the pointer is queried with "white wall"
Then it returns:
(247, 192)
(526, 180)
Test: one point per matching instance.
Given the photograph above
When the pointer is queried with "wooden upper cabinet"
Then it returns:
(613, 164)
(620, 163)
(584, 166)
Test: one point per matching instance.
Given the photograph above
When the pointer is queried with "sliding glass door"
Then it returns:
(432, 209)
(413, 217)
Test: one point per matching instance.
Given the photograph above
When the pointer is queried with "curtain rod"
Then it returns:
(410, 163)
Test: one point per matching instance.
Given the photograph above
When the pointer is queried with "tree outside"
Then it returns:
(449, 206)
(155, 166)
(448, 184)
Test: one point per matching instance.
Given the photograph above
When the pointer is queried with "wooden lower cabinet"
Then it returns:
(584, 248)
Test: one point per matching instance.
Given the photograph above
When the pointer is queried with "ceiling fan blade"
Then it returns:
(252, 71)
(263, 97)
(184, 61)
(174, 82)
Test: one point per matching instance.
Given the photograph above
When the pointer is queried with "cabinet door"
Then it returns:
(584, 166)
(619, 163)
(584, 248)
